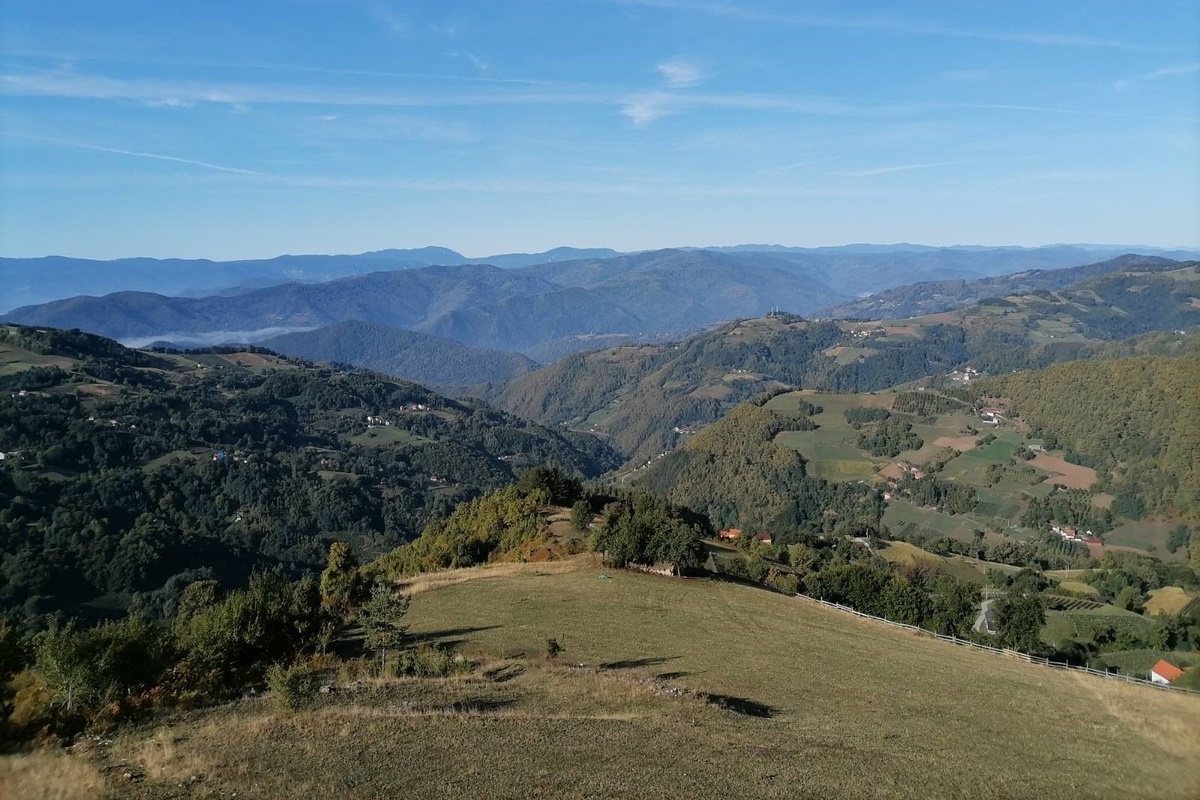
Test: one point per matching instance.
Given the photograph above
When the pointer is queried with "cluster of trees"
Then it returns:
(69, 676)
(1067, 507)
(947, 496)
(889, 438)
(858, 416)
(476, 532)
(645, 530)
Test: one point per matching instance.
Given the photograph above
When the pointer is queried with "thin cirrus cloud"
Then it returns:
(889, 25)
(867, 173)
(642, 108)
(137, 154)
(1190, 68)
(680, 73)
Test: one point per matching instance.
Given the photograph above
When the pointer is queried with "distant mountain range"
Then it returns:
(849, 269)
(543, 310)
(419, 357)
(29, 281)
(560, 306)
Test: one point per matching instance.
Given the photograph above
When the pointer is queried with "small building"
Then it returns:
(1093, 540)
(730, 534)
(764, 538)
(1165, 673)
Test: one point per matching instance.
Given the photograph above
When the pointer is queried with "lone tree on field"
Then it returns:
(380, 618)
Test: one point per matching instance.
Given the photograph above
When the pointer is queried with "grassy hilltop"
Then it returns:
(691, 688)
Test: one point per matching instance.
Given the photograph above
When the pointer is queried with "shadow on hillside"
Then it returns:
(673, 676)
(634, 663)
(740, 705)
(480, 706)
(447, 637)
(504, 673)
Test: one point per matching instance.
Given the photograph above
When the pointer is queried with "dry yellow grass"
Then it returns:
(1168, 600)
(48, 776)
(453, 577)
(1078, 586)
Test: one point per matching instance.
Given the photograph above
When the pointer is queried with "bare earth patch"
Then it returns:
(960, 443)
(1065, 474)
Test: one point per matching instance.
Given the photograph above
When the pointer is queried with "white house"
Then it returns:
(1164, 672)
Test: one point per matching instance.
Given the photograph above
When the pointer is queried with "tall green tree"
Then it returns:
(1019, 618)
(339, 581)
(381, 617)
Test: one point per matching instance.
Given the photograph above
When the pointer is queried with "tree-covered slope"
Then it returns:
(1135, 420)
(735, 472)
(128, 474)
(419, 357)
(931, 297)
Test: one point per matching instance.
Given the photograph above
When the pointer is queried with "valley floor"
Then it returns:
(676, 688)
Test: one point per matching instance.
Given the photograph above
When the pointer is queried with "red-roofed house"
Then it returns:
(731, 533)
(765, 538)
(1165, 672)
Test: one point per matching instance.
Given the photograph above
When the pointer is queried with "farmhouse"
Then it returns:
(730, 534)
(765, 538)
(1164, 672)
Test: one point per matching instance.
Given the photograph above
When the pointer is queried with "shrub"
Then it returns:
(426, 661)
(784, 582)
(293, 686)
(581, 515)
(553, 648)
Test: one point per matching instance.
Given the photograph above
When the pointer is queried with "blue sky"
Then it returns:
(249, 129)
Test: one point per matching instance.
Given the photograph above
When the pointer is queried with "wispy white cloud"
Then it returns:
(136, 154)
(171, 102)
(1190, 68)
(866, 173)
(680, 73)
(890, 25)
(643, 109)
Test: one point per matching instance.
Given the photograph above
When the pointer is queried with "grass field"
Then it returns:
(1169, 600)
(965, 569)
(903, 518)
(810, 702)
(15, 359)
(1142, 534)
(1081, 624)
(382, 437)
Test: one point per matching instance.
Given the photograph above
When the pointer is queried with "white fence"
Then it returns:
(1001, 651)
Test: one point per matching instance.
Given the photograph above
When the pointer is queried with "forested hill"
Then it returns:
(419, 357)
(735, 472)
(1135, 420)
(127, 475)
(931, 297)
